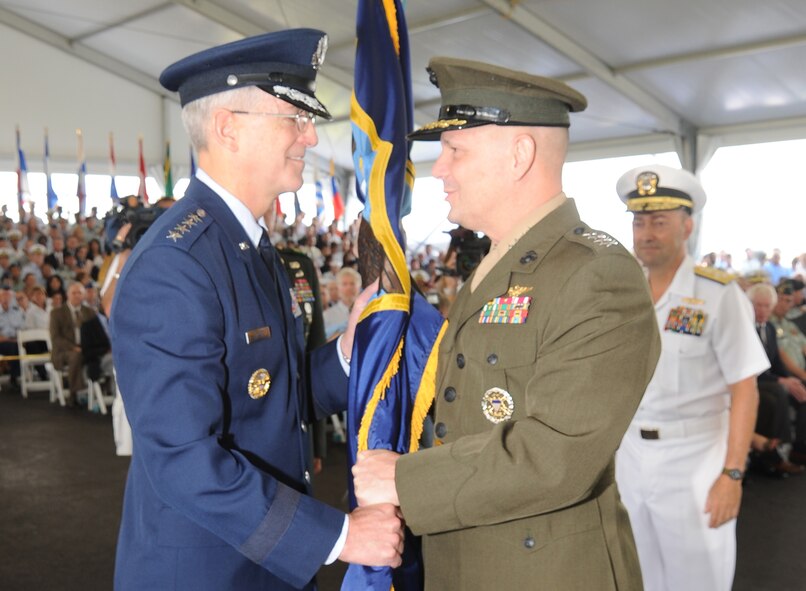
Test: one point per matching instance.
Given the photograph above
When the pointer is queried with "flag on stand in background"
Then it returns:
(52, 198)
(393, 367)
(338, 202)
(297, 206)
(141, 192)
(81, 188)
(278, 210)
(166, 169)
(320, 199)
(113, 188)
(192, 163)
(23, 192)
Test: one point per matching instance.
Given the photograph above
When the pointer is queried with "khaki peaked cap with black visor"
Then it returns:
(474, 93)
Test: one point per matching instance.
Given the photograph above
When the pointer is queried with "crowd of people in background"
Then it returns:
(776, 292)
(48, 266)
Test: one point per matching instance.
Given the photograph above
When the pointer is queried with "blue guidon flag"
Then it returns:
(393, 368)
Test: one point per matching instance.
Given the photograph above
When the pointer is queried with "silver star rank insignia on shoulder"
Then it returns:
(183, 227)
(600, 238)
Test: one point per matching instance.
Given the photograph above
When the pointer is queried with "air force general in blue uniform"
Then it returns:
(209, 354)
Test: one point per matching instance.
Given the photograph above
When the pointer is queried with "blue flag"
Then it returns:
(51, 194)
(320, 199)
(23, 192)
(297, 206)
(81, 186)
(192, 163)
(393, 368)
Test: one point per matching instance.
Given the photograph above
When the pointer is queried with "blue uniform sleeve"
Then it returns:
(169, 327)
(328, 380)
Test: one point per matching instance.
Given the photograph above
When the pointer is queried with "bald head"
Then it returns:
(491, 171)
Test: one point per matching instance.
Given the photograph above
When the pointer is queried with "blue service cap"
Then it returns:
(283, 63)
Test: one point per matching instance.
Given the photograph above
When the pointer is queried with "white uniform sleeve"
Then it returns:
(738, 349)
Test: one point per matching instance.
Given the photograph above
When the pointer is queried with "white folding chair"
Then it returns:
(29, 377)
(95, 393)
(56, 378)
(339, 435)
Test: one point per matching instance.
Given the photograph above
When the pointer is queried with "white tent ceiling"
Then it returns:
(687, 75)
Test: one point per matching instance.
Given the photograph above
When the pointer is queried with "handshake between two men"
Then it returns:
(375, 533)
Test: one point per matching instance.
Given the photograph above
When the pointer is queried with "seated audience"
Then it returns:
(65, 336)
(11, 320)
(776, 383)
(348, 285)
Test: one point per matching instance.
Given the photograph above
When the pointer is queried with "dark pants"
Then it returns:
(773, 415)
(800, 424)
(10, 348)
(773, 412)
(33, 348)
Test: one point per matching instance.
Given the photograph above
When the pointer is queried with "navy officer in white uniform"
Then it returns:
(681, 462)
(209, 350)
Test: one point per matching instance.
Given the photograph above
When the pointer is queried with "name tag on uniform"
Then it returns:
(506, 310)
(684, 320)
(257, 334)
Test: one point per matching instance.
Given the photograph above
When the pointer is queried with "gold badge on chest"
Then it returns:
(497, 405)
(259, 384)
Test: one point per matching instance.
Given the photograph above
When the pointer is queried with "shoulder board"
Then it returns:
(188, 228)
(717, 275)
(593, 238)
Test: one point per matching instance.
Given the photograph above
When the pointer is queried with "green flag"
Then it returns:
(169, 181)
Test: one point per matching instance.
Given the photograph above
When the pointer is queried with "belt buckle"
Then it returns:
(650, 434)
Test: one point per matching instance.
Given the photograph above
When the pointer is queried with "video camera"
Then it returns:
(469, 249)
(130, 211)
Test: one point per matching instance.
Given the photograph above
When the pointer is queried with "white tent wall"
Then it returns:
(688, 77)
(45, 87)
(656, 74)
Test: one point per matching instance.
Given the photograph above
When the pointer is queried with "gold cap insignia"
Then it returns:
(259, 384)
(497, 405)
(647, 184)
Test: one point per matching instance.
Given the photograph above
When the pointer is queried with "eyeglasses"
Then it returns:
(302, 120)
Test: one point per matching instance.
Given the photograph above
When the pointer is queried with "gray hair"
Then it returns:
(760, 288)
(197, 115)
(349, 272)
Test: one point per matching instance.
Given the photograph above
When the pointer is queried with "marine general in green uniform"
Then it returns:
(549, 348)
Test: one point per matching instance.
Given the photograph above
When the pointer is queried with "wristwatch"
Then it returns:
(733, 473)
